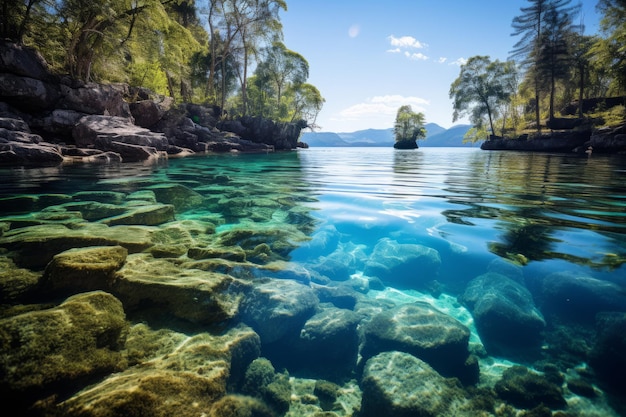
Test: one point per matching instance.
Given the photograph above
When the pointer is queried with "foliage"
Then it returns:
(482, 90)
(611, 51)
(191, 50)
(409, 126)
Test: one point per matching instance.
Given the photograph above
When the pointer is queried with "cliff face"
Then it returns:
(46, 119)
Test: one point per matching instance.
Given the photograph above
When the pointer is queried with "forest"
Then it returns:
(553, 70)
(196, 51)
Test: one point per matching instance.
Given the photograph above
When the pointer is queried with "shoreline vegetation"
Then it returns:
(560, 90)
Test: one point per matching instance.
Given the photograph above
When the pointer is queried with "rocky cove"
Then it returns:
(46, 119)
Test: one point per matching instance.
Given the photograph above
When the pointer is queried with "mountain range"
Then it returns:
(435, 136)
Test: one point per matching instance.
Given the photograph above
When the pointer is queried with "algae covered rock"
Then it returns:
(49, 348)
(401, 385)
(198, 296)
(84, 269)
(189, 375)
(528, 389)
(425, 332)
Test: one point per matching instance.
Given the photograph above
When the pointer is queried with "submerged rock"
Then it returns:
(579, 297)
(190, 294)
(33, 247)
(505, 314)
(51, 349)
(401, 385)
(186, 379)
(277, 308)
(426, 333)
(403, 264)
(84, 269)
(527, 389)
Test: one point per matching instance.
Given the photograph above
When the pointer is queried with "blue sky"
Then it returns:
(369, 57)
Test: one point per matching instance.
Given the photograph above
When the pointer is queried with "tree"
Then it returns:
(610, 51)
(531, 25)
(282, 67)
(409, 126)
(482, 86)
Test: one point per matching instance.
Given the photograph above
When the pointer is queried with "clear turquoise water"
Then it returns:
(543, 213)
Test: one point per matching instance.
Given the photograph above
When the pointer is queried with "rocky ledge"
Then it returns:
(609, 140)
(47, 119)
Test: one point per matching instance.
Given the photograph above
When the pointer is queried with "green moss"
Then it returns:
(240, 406)
(327, 392)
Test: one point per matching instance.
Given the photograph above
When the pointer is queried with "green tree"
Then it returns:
(531, 25)
(611, 51)
(282, 67)
(480, 89)
(409, 125)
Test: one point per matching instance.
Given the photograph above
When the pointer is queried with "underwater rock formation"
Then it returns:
(426, 333)
(403, 264)
(505, 313)
(401, 385)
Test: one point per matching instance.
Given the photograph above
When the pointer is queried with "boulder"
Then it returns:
(50, 349)
(146, 113)
(505, 314)
(190, 294)
(578, 297)
(426, 333)
(180, 196)
(403, 264)
(15, 283)
(120, 135)
(401, 385)
(84, 269)
(23, 61)
(282, 136)
(185, 377)
(96, 99)
(277, 308)
(27, 93)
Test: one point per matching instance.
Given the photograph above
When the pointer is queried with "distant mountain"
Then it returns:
(435, 136)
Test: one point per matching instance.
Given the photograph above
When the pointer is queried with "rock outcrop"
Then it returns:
(47, 119)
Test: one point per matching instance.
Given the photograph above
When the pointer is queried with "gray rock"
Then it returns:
(424, 332)
(505, 314)
(401, 385)
(277, 308)
(403, 264)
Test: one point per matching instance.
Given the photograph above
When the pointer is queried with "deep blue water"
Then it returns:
(536, 213)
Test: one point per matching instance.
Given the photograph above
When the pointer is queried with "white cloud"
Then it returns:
(416, 56)
(442, 59)
(382, 105)
(406, 42)
(459, 62)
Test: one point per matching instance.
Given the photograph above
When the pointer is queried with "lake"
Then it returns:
(471, 261)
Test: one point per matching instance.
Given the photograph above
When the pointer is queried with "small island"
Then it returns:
(408, 128)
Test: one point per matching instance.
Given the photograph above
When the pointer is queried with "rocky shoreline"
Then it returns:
(606, 140)
(47, 119)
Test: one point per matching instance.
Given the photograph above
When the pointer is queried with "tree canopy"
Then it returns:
(409, 125)
(552, 65)
(193, 50)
